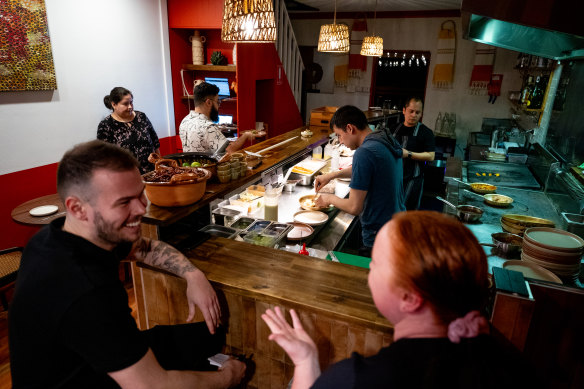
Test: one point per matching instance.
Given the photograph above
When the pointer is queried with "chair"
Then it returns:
(9, 264)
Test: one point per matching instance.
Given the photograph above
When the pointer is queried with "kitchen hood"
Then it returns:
(546, 28)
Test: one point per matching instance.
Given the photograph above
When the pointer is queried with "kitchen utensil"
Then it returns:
(478, 187)
(493, 199)
(506, 242)
(304, 199)
(276, 145)
(290, 185)
(531, 270)
(287, 175)
(175, 194)
(205, 160)
(253, 154)
(313, 218)
(482, 188)
(220, 231)
(44, 210)
(300, 231)
(466, 213)
(526, 221)
(302, 179)
(555, 239)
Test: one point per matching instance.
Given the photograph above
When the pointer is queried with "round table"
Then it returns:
(21, 213)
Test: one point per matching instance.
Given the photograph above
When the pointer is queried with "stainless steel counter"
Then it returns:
(326, 236)
(526, 202)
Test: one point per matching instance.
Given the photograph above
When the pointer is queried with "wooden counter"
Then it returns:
(332, 299)
(167, 215)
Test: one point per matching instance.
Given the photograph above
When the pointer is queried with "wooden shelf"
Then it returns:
(210, 68)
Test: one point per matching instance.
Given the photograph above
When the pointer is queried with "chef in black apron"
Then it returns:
(418, 145)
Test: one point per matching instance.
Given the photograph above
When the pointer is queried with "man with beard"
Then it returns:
(199, 132)
(70, 323)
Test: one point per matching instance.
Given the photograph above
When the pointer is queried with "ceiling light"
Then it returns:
(334, 38)
(372, 46)
(248, 21)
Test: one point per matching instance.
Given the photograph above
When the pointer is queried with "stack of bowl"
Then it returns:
(517, 224)
(232, 169)
(556, 250)
(224, 172)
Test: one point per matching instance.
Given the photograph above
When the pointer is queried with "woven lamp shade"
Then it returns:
(248, 21)
(372, 46)
(334, 38)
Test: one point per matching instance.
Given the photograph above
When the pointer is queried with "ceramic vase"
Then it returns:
(198, 51)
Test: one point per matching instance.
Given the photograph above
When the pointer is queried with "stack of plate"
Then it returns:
(517, 224)
(556, 250)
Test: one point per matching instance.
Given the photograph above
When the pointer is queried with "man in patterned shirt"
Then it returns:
(199, 131)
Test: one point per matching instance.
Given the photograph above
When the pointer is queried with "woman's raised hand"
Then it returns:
(294, 340)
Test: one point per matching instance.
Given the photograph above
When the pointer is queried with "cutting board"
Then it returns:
(350, 259)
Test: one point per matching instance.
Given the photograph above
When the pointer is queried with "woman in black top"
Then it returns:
(428, 277)
(128, 128)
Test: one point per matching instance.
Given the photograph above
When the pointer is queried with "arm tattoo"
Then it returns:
(163, 256)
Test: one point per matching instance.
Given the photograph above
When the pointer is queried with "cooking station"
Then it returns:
(500, 174)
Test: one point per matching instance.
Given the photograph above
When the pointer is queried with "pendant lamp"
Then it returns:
(372, 45)
(249, 21)
(334, 38)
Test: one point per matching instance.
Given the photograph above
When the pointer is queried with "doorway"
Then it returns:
(397, 75)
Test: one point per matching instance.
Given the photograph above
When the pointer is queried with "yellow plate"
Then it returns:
(482, 188)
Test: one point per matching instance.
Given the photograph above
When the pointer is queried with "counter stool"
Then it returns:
(9, 264)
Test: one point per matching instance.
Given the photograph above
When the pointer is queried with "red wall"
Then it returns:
(276, 106)
(195, 13)
(17, 188)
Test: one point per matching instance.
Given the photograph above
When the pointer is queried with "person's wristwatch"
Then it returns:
(409, 154)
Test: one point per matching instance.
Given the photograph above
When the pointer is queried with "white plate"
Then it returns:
(313, 218)
(344, 179)
(44, 210)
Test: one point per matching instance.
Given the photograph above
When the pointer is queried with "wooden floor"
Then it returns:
(5, 379)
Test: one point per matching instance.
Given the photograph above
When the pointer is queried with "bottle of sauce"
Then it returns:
(328, 149)
(303, 250)
(317, 153)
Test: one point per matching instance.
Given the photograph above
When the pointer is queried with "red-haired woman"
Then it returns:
(429, 278)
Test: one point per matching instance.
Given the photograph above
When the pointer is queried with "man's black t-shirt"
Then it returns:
(423, 141)
(70, 322)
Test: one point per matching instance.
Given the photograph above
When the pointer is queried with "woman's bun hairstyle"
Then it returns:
(115, 96)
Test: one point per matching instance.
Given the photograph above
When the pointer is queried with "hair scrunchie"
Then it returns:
(469, 326)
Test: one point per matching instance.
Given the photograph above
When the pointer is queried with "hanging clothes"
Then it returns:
(446, 54)
(482, 69)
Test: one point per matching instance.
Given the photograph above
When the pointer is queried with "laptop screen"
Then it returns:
(221, 83)
(225, 119)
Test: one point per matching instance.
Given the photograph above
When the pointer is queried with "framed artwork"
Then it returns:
(26, 58)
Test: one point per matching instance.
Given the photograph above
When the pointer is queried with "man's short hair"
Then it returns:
(204, 91)
(78, 164)
(349, 114)
(416, 99)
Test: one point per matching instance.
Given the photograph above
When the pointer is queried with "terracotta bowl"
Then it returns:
(166, 194)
